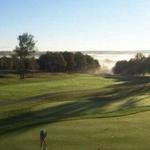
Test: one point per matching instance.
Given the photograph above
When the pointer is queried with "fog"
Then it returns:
(107, 60)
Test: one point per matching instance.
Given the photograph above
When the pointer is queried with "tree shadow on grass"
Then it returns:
(93, 105)
(48, 115)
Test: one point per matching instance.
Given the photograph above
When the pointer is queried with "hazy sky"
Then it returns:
(77, 24)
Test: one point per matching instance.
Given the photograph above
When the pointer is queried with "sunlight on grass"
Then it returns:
(76, 109)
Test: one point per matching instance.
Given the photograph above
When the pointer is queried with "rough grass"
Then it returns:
(79, 111)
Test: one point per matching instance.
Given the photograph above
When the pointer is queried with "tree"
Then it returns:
(52, 62)
(58, 63)
(25, 49)
(92, 64)
(139, 56)
(69, 58)
(14, 62)
(42, 62)
(4, 63)
(67, 61)
(80, 61)
(121, 67)
(139, 65)
(33, 64)
(146, 64)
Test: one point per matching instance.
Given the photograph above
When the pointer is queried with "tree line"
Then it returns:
(139, 65)
(67, 62)
(12, 63)
(23, 59)
(52, 62)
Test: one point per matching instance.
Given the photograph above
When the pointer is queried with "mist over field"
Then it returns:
(107, 59)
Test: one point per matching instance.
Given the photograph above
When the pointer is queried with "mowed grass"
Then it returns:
(129, 132)
(79, 111)
(12, 88)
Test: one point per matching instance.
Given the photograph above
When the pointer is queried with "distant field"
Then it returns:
(79, 111)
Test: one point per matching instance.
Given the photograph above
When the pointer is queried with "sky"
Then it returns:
(77, 24)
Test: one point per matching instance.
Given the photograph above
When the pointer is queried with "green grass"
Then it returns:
(130, 132)
(12, 89)
(79, 111)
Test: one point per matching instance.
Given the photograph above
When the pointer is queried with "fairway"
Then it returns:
(79, 111)
(130, 132)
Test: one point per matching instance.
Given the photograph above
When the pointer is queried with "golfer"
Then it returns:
(43, 140)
